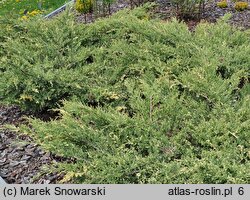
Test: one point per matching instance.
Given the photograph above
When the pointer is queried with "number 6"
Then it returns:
(241, 191)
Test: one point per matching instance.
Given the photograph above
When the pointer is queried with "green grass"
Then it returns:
(15, 8)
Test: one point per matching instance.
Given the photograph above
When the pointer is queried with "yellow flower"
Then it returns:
(34, 13)
(24, 17)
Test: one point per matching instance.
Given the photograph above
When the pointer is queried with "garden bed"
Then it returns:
(166, 11)
(180, 116)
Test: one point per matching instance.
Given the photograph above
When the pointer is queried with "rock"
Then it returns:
(26, 157)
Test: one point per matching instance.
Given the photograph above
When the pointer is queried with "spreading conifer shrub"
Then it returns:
(141, 101)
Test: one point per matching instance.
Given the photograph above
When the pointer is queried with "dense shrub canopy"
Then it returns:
(145, 101)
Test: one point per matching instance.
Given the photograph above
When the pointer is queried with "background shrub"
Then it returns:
(222, 4)
(241, 5)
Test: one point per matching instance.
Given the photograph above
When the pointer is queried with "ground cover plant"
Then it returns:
(18, 8)
(140, 100)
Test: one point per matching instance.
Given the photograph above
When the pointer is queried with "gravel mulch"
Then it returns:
(240, 19)
(21, 160)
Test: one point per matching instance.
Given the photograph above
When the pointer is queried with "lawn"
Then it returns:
(16, 8)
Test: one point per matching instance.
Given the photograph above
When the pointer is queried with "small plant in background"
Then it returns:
(188, 9)
(240, 6)
(107, 6)
(85, 7)
(100, 8)
(222, 4)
